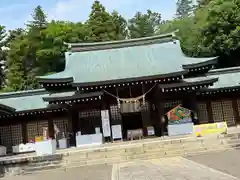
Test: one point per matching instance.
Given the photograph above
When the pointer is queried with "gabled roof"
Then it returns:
(34, 100)
(100, 63)
(191, 82)
(71, 95)
(227, 78)
(24, 100)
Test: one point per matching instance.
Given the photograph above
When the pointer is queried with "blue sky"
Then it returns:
(14, 13)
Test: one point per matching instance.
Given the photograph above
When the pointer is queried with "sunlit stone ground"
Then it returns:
(209, 166)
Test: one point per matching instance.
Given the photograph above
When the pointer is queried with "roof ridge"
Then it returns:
(224, 71)
(161, 36)
(22, 93)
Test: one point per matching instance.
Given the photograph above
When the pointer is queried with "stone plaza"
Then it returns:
(222, 165)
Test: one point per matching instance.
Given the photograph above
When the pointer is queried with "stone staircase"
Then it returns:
(121, 152)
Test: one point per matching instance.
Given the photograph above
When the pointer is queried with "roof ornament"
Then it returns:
(174, 33)
(174, 36)
(68, 44)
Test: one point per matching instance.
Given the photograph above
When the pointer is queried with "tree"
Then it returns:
(184, 8)
(39, 19)
(13, 34)
(2, 54)
(51, 51)
(120, 26)
(143, 25)
(221, 30)
(16, 74)
(202, 3)
(100, 25)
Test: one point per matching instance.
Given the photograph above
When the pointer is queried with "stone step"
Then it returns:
(31, 170)
(147, 154)
(130, 151)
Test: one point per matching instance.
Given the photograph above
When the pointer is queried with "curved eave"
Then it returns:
(130, 80)
(50, 108)
(55, 80)
(73, 97)
(222, 89)
(200, 64)
(7, 109)
(189, 84)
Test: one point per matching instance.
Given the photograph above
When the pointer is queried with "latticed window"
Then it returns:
(11, 135)
(36, 129)
(238, 104)
(223, 111)
(89, 120)
(16, 134)
(228, 113)
(115, 114)
(202, 113)
(32, 130)
(217, 111)
(62, 124)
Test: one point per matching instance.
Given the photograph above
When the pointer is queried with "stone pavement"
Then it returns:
(174, 168)
(96, 172)
(227, 162)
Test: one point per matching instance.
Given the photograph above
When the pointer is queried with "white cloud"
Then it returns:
(74, 10)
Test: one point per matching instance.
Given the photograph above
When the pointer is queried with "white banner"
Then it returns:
(105, 123)
(117, 131)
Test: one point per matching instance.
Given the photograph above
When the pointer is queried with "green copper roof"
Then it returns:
(227, 78)
(133, 61)
(71, 95)
(24, 100)
(37, 99)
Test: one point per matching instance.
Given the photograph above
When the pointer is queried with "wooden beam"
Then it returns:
(24, 132)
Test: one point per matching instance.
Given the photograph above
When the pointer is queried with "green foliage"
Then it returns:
(16, 74)
(211, 28)
(143, 25)
(184, 8)
(2, 54)
(120, 26)
(39, 19)
(100, 24)
(51, 51)
(221, 30)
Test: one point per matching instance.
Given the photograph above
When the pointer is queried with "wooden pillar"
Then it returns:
(74, 116)
(50, 126)
(209, 111)
(24, 131)
(157, 112)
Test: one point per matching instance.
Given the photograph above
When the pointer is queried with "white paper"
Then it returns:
(150, 131)
(117, 132)
(105, 123)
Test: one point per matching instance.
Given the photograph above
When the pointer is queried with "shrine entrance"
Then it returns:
(131, 121)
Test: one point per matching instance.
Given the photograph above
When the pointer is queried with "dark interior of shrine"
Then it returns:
(131, 121)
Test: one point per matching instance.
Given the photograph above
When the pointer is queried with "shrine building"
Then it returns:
(138, 81)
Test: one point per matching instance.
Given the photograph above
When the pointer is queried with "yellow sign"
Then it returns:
(38, 138)
(213, 128)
